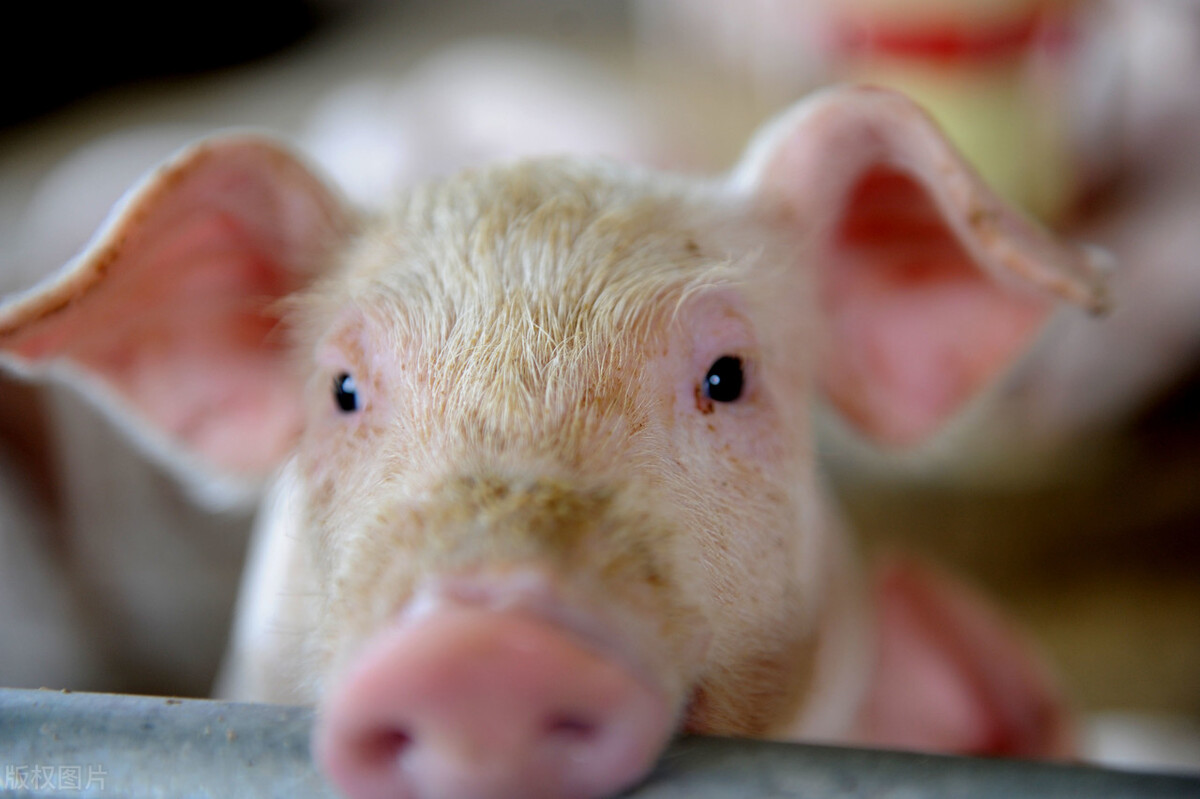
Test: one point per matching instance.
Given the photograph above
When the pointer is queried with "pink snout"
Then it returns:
(470, 703)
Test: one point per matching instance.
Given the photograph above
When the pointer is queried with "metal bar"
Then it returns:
(55, 744)
(141, 746)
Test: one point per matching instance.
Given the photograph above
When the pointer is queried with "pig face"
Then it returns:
(545, 425)
(585, 396)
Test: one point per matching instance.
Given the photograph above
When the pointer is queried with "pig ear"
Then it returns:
(929, 283)
(172, 310)
(952, 676)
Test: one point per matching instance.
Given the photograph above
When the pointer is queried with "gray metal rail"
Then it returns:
(55, 744)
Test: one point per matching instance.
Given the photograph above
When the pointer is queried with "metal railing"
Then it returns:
(57, 744)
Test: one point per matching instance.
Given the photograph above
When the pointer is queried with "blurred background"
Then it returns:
(1071, 493)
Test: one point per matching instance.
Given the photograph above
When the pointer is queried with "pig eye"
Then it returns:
(345, 393)
(723, 383)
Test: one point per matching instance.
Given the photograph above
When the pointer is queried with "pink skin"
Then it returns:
(465, 700)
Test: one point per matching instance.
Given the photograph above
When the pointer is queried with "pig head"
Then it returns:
(545, 485)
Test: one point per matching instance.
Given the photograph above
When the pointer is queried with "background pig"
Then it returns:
(40, 630)
(548, 489)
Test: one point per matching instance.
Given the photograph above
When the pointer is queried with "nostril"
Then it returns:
(572, 727)
(385, 745)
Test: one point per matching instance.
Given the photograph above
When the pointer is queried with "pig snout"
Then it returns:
(468, 700)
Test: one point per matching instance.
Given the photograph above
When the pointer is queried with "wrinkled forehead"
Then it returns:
(546, 258)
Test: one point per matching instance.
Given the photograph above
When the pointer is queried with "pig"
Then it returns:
(480, 100)
(543, 489)
(40, 632)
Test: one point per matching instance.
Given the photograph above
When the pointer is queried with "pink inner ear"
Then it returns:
(916, 327)
(186, 331)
